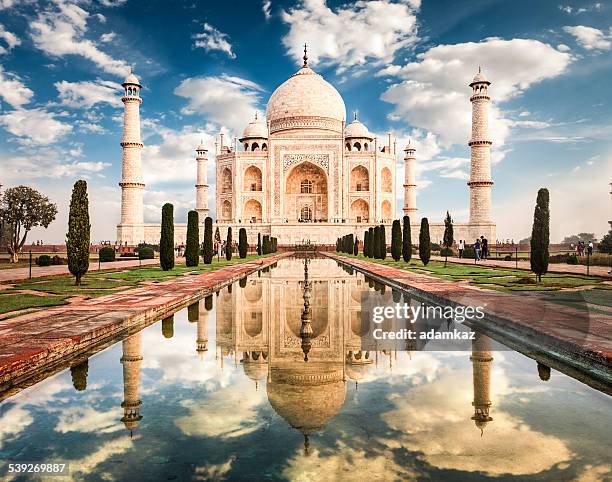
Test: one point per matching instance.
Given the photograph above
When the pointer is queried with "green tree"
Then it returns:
(166, 242)
(243, 245)
(396, 240)
(207, 254)
(448, 236)
(584, 237)
(78, 235)
(192, 256)
(372, 243)
(406, 240)
(383, 242)
(540, 234)
(259, 252)
(376, 249)
(424, 242)
(217, 236)
(21, 209)
(228, 244)
(356, 247)
(366, 236)
(605, 245)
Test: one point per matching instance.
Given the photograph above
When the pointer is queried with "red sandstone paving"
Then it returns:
(28, 339)
(590, 331)
(552, 267)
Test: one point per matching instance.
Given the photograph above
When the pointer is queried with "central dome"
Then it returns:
(306, 100)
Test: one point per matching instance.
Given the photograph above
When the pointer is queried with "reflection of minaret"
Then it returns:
(306, 328)
(131, 360)
(481, 371)
(202, 340)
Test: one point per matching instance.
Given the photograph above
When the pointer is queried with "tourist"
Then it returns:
(477, 249)
(461, 248)
(485, 247)
(580, 248)
(590, 248)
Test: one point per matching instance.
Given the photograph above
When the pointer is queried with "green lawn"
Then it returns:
(501, 279)
(97, 284)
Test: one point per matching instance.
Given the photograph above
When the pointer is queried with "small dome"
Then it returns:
(306, 94)
(256, 129)
(480, 78)
(131, 79)
(357, 129)
(256, 371)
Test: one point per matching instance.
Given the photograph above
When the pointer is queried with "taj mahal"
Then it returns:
(304, 173)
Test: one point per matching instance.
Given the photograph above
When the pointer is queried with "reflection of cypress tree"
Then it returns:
(397, 295)
(208, 303)
(193, 312)
(229, 289)
(543, 372)
(242, 282)
(168, 327)
(79, 375)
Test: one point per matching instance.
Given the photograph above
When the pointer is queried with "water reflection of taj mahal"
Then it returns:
(259, 324)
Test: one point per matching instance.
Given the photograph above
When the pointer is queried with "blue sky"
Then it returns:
(404, 65)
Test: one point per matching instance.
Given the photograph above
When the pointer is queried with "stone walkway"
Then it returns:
(39, 341)
(552, 267)
(16, 274)
(569, 335)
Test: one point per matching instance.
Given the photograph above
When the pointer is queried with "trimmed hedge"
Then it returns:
(106, 254)
(146, 253)
(43, 260)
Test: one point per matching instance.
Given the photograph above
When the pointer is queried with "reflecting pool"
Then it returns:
(221, 390)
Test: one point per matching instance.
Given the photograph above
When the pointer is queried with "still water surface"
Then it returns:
(221, 390)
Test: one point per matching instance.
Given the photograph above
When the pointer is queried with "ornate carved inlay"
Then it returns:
(320, 159)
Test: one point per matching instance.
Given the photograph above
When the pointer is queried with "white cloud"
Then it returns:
(267, 8)
(62, 31)
(112, 3)
(213, 39)
(434, 95)
(12, 90)
(590, 38)
(108, 37)
(89, 93)
(353, 34)
(34, 126)
(9, 38)
(225, 100)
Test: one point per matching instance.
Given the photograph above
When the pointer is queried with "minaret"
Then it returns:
(132, 186)
(410, 208)
(201, 183)
(480, 173)
(202, 339)
(131, 361)
(481, 373)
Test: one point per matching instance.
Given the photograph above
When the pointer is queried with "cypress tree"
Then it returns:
(365, 242)
(192, 256)
(424, 243)
(372, 243)
(448, 236)
(208, 253)
(540, 234)
(259, 252)
(78, 235)
(406, 240)
(275, 244)
(376, 252)
(266, 243)
(383, 242)
(356, 250)
(228, 244)
(166, 243)
(396, 240)
(243, 245)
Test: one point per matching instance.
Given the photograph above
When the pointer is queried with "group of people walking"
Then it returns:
(581, 248)
(480, 246)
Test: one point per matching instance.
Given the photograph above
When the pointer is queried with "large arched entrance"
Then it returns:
(306, 193)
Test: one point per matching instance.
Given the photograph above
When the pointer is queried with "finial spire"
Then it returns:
(355, 112)
(305, 55)
(255, 115)
(479, 70)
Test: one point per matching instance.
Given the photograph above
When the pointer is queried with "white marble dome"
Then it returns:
(357, 129)
(131, 79)
(305, 94)
(479, 78)
(256, 129)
